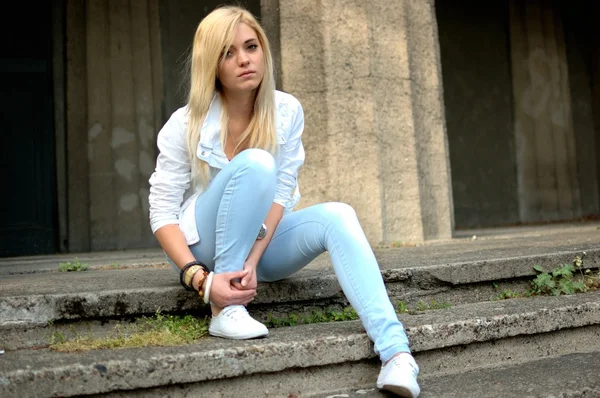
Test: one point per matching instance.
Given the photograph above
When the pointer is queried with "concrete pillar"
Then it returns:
(577, 32)
(76, 128)
(369, 78)
(546, 159)
(100, 157)
(121, 106)
(595, 93)
(269, 19)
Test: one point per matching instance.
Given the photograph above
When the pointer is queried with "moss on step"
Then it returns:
(159, 330)
(171, 330)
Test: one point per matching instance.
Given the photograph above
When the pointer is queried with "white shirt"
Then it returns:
(172, 196)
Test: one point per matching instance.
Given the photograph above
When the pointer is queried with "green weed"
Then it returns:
(75, 266)
(561, 280)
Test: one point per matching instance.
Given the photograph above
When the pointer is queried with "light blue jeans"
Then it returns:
(231, 210)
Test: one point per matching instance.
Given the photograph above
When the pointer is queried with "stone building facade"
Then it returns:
(426, 116)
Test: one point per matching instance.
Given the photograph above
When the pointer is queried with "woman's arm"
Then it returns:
(173, 242)
(222, 294)
(167, 186)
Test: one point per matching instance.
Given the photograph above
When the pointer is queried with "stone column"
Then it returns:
(120, 103)
(546, 157)
(76, 130)
(369, 78)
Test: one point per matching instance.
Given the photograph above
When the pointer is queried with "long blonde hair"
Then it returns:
(213, 38)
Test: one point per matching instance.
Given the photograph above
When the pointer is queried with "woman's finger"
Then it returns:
(237, 285)
(234, 275)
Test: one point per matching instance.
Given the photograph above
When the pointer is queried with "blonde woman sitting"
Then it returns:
(225, 185)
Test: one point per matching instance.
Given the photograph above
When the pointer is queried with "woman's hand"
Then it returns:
(224, 292)
(248, 282)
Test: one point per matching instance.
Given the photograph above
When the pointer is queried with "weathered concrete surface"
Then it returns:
(290, 383)
(566, 376)
(95, 260)
(478, 104)
(509, 351)
(336, 379)
(122, 96)
(40, 372)
(410, 273)
(574, 375)
(490, 245)
(327, 379)
(486, 321)
(35, 299)
(374, 111)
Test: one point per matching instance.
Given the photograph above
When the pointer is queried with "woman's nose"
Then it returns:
(243, 58)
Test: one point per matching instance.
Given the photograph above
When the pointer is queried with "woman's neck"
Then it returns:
(240, 105)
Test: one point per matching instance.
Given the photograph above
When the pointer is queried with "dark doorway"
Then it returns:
(28, 199)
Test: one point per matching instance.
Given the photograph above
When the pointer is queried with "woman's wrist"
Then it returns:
(250, 263)
(198, 280)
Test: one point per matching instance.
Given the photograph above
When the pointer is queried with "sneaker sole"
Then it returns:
(401, 391)
(237, 337)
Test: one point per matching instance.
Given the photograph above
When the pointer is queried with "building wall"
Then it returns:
(476, 73)
(368, 76)
(582, 53)
(114, 90)
(388, 113)
(125, 76)
(519, 111)
(375, 130)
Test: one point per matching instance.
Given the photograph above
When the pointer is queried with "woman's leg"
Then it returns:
(228, 215)
(304, 234)
(231, 210)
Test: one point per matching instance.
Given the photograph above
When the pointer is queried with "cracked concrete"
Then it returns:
(29, 372)
(457, 272)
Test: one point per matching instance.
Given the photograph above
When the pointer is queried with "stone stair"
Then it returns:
(472, 340)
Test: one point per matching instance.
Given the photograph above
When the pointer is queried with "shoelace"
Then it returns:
(400, 363)
(235, 312)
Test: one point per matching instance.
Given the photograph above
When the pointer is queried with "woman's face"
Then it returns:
(243, 68)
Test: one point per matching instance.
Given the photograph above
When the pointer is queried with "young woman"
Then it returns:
(225, 185)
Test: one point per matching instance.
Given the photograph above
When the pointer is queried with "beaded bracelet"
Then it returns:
(183, 271)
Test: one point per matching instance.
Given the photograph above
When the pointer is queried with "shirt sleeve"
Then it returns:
(292, 158)
(172, 175)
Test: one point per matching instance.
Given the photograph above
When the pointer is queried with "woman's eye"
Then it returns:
(228, 54)
(252, 47)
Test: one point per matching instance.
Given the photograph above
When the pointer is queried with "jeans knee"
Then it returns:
(338, 212)
(259, 161)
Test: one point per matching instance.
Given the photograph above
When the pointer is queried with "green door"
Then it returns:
(28, 195)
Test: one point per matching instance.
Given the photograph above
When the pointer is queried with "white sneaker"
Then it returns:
(234, 322)
(399, 376)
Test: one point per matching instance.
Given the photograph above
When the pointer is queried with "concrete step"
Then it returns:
(34, 299)
(572, 375)
(492, 247)
(311, 359)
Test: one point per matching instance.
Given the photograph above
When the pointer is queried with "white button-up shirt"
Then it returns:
(172, 196)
